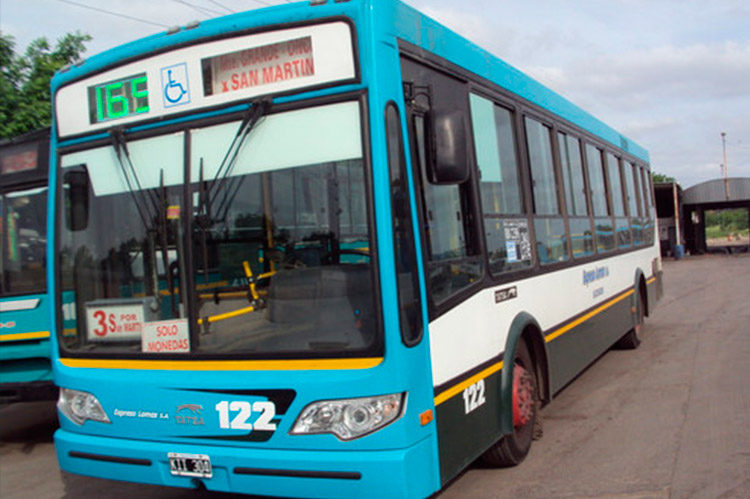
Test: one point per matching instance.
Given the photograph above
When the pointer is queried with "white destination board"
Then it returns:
(206, 75)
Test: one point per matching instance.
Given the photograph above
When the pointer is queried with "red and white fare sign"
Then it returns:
(170, 336)
(114, 322)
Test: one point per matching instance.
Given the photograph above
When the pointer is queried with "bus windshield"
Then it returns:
(263, 250)
(23, 233)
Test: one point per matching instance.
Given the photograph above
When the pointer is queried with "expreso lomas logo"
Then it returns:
(598, 273)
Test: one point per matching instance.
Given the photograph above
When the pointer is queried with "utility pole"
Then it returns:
(726, 166)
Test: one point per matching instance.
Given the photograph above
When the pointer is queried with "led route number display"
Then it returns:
(118, 98)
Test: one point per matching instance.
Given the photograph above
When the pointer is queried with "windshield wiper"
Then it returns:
(258, 109)
(145, 202)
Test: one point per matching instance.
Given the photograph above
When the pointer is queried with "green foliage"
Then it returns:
(721, 223)
(660, 178)
(25, 102)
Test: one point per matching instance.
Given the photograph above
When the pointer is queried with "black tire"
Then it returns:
(632, 339)
(511, 449)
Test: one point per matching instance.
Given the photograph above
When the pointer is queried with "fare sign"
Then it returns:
(259, 66)
(114, 322)
(170, 336)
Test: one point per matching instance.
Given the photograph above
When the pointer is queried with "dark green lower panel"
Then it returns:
(655, 291)
(572, 352)
(463, 437)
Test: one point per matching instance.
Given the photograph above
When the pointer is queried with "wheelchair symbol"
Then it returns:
(173, 90)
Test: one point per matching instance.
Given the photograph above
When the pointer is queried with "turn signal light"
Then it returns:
(426, 417)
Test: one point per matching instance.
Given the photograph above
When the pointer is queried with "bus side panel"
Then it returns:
(573, 351)
(654, 290)
(468, 423)
(25, 370)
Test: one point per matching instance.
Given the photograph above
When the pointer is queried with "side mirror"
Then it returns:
(76, 192)
(450, 163)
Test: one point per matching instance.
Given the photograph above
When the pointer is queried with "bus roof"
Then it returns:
(404, 22)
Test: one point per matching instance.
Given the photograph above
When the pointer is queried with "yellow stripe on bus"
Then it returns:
(651, 280)
(588, 316)
(455, 390)
(24, 336)
(226, 365)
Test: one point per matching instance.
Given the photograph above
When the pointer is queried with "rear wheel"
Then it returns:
(632, 338)
(513, 448)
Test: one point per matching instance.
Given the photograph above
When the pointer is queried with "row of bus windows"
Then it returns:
(605, 198)
(584, 201)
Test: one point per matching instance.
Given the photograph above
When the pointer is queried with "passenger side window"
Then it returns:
(505, 225)
(549, 225)
(581, 235)
(622, 225)
(634, 201)
(648, 213)
(604, 232)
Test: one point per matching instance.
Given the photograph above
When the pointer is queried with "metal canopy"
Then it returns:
(714, 192)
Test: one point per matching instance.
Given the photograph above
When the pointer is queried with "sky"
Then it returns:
(670, 74)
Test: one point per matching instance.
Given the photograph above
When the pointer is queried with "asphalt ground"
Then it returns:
(669, 420)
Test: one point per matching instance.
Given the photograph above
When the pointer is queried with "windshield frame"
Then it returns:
(137, 132)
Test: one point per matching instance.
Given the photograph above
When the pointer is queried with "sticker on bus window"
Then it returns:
(516, 231)
(171, 336)
(510, 249)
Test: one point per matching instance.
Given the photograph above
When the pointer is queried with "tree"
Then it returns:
(25, 102)
(660, 178)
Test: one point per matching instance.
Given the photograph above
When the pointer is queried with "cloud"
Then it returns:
(716, 70)
(470, 26)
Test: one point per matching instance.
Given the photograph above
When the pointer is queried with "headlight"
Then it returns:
(349, 418)
(79, 406)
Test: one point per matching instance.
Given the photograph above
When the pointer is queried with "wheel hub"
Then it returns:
(523, 396)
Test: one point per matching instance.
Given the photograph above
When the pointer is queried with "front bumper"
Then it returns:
(34, 391)
(409, 472)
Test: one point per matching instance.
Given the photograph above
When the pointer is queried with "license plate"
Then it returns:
(196, 465)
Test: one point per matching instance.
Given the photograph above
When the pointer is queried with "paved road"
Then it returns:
(671, 419)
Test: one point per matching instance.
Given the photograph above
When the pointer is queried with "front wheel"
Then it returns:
(511, 449)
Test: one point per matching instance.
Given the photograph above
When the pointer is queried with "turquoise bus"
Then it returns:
(25, 369)
(329, 249)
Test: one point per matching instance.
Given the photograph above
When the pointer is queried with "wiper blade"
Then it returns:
(141, 199)
(145, 202)
(258, 109)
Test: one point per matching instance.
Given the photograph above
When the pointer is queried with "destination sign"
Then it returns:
(20, 159)
(210, 74)
(265, 65)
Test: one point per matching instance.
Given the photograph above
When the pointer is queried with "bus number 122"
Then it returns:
(243, 410)
(474, 396)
